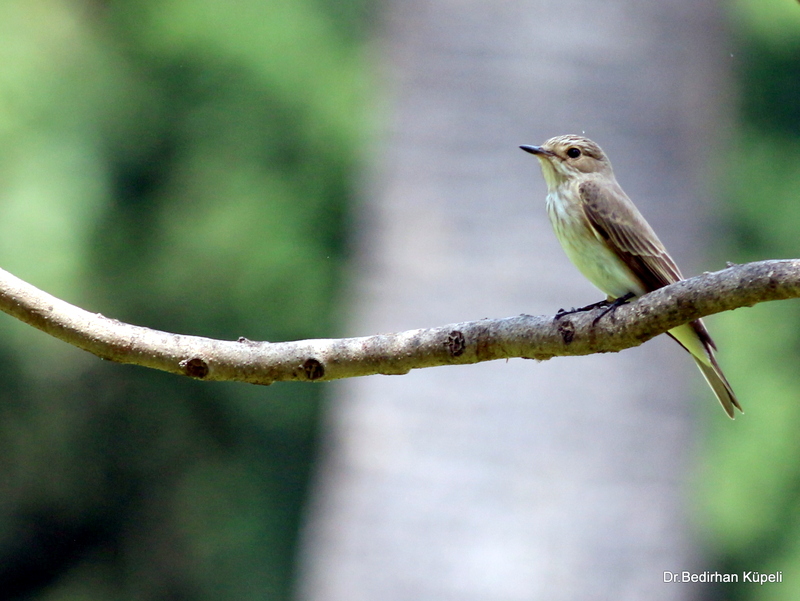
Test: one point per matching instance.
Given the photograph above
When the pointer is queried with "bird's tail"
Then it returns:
(719, 384)
(695, 339)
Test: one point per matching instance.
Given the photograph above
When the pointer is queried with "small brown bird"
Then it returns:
(609, 241)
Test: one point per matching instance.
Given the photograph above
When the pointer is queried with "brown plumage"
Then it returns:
(611, 243)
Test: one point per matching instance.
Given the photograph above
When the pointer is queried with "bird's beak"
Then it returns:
(537, 150)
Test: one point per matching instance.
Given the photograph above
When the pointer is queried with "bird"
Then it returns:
(612, 245)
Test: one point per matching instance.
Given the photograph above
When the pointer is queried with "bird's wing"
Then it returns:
(620, 225)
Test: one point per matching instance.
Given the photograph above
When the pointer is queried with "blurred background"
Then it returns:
(288, 169)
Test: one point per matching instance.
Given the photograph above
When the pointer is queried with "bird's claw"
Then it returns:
(604, 304)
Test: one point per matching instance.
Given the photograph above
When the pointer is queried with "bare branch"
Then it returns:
(526, 336)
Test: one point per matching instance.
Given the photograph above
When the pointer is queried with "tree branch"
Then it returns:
(526, 336)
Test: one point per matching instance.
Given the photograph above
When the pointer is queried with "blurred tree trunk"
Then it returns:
(517, 480)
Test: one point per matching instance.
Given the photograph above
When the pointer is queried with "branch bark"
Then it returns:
(525, 336)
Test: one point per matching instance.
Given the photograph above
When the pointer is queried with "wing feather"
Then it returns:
(620, 225)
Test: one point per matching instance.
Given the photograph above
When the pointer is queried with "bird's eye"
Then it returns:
(573, 152)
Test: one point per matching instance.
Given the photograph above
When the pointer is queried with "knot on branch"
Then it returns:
(456, 343)
(195, 367)
(567, 330)
(313, 369)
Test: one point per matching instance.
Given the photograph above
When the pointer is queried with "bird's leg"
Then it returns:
(613, 305)
(599, 304)
(605, 304)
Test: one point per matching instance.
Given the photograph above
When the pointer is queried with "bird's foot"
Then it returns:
(612, 306)
(598, 305)
(606, 305)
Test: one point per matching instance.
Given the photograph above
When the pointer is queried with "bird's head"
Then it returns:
(565, 157)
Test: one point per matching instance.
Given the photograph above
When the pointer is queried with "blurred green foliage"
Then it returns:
(750, 484)
(185, 166)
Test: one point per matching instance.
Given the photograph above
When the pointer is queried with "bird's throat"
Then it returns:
(552, 177)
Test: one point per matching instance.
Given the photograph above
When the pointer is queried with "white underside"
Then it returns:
(599, 264)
